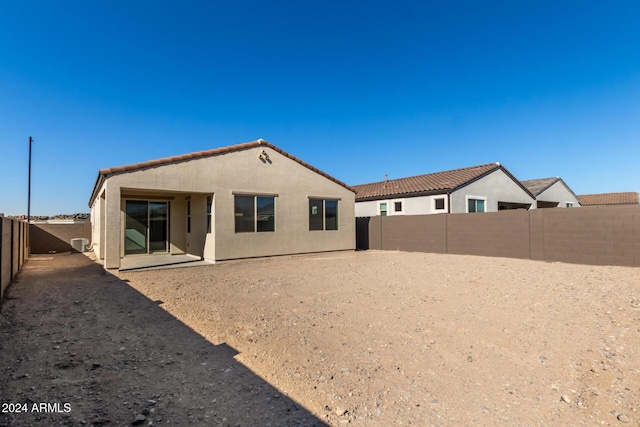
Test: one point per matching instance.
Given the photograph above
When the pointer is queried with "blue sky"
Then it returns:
(358, 89)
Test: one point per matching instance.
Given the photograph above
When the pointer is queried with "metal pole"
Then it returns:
(29, 190)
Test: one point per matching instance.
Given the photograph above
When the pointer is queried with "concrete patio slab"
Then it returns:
(140, 262)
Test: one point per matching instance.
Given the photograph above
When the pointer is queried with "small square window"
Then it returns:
(440, 203)
(397, 206)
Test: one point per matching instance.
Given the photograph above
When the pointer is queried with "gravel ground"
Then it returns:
(363, 338)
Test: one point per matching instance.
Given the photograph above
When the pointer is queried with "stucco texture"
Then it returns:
(241, 172)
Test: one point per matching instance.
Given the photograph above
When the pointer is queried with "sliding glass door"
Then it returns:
(158, 226)
(146, 227)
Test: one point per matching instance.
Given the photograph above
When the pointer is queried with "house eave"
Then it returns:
(104, 174)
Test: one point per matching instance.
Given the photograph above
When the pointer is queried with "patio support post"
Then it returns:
(112, 223)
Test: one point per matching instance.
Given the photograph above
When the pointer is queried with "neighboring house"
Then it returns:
(484, 188)
(246, 200)
(628, 198)
(551, 193)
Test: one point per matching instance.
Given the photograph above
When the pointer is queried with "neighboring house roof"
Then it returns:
(537, 186)
(629, 198)
(105, 173)
(432, 183)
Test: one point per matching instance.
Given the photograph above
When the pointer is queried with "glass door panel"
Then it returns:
(158, 226)
(136, 224)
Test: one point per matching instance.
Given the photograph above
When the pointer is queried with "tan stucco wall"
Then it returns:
(222, 176)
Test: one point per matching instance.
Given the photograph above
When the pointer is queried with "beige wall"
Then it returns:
(56, 237)
(223, 175)
(14, 250)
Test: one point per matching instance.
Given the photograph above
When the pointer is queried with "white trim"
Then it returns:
(386, 203)
(433, 203)
(569, 204)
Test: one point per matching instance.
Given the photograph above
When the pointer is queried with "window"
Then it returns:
(188, 216)
(569, 204)
(323, 214)
(476, 205)
(439, 203)
(383, 209)
(209, 203)
(265, 214)
(330, 214)
(254, 213)
(397, 206)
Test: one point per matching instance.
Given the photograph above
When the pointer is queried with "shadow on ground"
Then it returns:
(95, 351)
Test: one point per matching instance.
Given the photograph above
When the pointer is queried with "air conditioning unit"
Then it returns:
(79, 244)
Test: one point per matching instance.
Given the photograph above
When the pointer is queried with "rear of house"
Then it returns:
(242, 201)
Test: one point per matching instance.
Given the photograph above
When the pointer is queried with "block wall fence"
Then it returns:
(56, 237)
(14, 250)
(601, 235)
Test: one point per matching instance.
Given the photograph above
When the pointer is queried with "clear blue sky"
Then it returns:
(356, 88)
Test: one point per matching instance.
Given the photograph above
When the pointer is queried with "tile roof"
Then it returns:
(106, 172)
(432, 183)
(629, 198)
(537, 186)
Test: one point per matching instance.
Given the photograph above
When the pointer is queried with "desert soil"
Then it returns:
(360, 338)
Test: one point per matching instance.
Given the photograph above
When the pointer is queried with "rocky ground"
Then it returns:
(360, 338)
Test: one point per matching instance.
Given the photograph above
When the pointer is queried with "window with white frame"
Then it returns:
(569, 204)
(476, 204)
(254, 213)
(383, 209)
(397, 206)
(323, 214)
(438, 204)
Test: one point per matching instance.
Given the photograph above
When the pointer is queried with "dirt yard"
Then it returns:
(361, 338)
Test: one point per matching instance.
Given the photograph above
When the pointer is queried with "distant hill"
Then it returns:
(76, 216)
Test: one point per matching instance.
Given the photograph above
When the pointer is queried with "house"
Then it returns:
(241, 201)
(628, 198)
(484, 188)
(551, 193)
